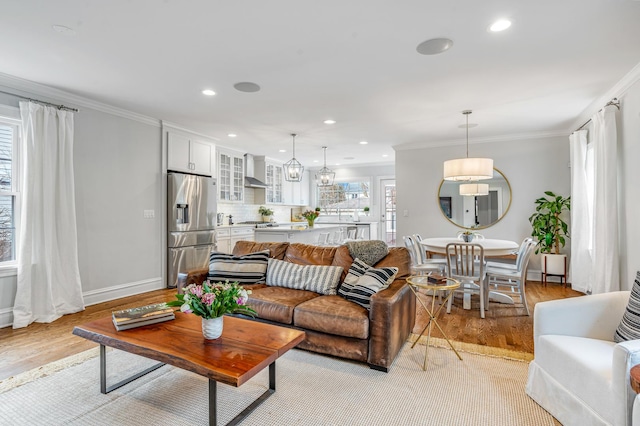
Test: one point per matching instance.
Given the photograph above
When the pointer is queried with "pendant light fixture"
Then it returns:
(325, 176)
(474, 189)
(292, 168)
(468, 169)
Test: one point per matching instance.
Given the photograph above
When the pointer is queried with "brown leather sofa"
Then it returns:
(333, 325)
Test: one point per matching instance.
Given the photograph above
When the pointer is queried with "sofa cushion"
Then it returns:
(333, 315)
(629, 327)
(306, 254)
(582, 365)
(276, 250)
(248, 269)
(277, 303)
(370, 252)
(317, 278)
(363, 281)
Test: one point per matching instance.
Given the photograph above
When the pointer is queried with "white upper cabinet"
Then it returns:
(230, 175)
(270, 172)
(185, 154)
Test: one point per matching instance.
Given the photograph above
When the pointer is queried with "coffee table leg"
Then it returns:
(237, 419)
(103, 373)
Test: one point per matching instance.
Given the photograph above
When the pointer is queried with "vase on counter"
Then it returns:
(310, 222)
(212, 327)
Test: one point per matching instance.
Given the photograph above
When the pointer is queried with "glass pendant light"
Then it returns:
(325, 176)
(468, 169)
(474, 189)
(292, 168)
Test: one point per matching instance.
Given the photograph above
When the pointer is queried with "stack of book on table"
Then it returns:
(144, 315)
(437, 279)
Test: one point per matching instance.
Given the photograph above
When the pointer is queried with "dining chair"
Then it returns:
(360, 233)
(423, 259)
(417, 267)
(512, 279)
(337, 237)
(463, 266)
(351, 234)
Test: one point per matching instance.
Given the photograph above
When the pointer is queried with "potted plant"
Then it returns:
(266, 213)
(551, 231)
(366, 210)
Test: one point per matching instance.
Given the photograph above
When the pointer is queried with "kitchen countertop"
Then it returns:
(350, 223)
(302, 227)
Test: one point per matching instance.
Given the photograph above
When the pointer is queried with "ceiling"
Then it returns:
(352, 61)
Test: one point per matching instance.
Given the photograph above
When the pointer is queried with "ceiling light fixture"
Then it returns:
(232, 135)
(329, 121)
(500, 25)
(208, 92)
(246, 86)
(292, 168)
(474, 189)
(434, 46)
(468, 169)
(363, 142)
(325, 176)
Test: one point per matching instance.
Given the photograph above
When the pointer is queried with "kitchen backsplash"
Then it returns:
(246, 211)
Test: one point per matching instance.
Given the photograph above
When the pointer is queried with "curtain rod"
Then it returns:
(41, 102)
(613, 102)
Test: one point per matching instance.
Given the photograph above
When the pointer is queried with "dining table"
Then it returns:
(491, 247)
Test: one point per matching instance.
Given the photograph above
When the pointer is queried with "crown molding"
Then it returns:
(31, 88)
(617, 91)
(167, 125)
(516, 137)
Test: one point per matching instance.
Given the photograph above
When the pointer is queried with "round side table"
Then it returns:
(422, 282)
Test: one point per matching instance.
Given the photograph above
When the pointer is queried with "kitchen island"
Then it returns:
(294, 233)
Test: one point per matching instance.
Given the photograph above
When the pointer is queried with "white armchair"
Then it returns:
(579, 374)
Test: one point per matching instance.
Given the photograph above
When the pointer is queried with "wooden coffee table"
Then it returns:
(244, 349)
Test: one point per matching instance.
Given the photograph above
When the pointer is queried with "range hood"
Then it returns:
(249, 180)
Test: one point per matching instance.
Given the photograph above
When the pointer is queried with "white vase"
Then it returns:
(212, 328)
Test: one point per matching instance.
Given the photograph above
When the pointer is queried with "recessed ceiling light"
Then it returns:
(500, 25)
(363, 142)
(246, 86)
(282, 150)
(329, 121)
(316, 161)
(64, 30)
(208, 92)
(434, 46)
(385, 155)
(232, 135)
(337, 164)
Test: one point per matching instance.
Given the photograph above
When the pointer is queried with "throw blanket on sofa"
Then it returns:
(370, 252)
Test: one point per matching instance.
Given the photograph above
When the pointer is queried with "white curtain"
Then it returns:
(48, 275)
(581, 217)
(594, 206)
(606, 265)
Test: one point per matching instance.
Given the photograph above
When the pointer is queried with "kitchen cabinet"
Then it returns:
(228, 236)
(300, 191)
(230, 175)
(188, 155)
(270, 172)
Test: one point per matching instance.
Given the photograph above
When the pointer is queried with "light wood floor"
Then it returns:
(38, 344)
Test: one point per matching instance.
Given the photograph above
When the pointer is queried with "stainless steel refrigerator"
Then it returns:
(191, 222)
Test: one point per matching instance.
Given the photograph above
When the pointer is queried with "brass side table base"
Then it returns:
(421, 281)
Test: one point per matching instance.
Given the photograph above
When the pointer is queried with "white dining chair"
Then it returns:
(417, 267)
(512, 280)
(463, 266)
(441, 263)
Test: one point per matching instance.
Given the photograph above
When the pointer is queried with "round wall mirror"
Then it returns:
(479, 211)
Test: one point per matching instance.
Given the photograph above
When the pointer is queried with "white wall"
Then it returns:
(531, 166)
(628, 192)
(117, 164)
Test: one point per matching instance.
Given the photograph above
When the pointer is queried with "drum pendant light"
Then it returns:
(474, 189)
(325, 176)
(292, 168)
(468, 169)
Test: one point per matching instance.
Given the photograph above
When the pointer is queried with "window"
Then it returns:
(8, 189)
(344, 197)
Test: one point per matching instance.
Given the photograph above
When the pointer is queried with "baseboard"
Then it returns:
(6, 317)
(94, 297)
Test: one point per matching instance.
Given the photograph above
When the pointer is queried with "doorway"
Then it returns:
(388, 211)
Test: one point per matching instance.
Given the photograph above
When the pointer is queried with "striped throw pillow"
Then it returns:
(629, 327)
(246, 269)
(363, 281)
(317, 278)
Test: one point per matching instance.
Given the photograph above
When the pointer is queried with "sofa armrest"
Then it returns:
(596, 316)
(391, 320)
(196, 276)
(625, 356)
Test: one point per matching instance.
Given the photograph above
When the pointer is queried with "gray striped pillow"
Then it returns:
(363, 281)
(629, 327)
(246, 269)
(317, 278)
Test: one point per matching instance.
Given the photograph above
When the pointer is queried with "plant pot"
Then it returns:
(266, 218)
(467, 238)
(212, 328)
(554, 264)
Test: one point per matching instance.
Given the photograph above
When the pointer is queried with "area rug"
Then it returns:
(311, 390)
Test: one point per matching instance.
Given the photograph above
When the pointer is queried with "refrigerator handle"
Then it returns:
(183, 213)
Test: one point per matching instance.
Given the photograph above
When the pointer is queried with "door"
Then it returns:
(388, 211)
